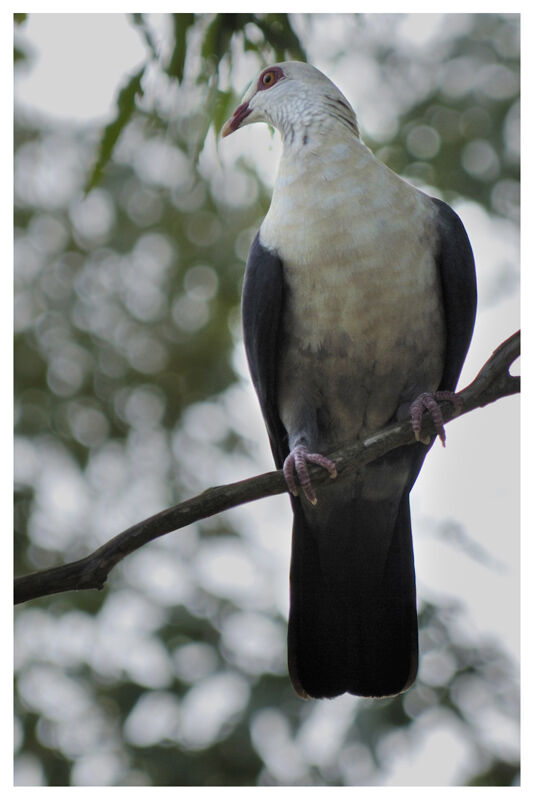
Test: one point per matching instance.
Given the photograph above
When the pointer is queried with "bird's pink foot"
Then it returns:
(296, 465)
(428, 401)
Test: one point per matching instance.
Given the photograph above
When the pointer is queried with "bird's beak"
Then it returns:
(236, 120)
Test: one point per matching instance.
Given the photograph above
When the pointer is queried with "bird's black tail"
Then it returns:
(353, 618)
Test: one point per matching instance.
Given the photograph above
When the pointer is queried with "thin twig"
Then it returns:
(492, 382)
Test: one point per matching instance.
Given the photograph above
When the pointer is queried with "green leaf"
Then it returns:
(20, 18)
(280, 35)
(181, 24)
(217, 39)
(139, 21)
(207, 118)
(225, 102)
(18, 54)
(209, 43)
(110, 136)
(249, 46)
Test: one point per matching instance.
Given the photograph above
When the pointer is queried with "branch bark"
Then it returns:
(492, 382)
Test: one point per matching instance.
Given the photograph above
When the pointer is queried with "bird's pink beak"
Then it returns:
(236, 119)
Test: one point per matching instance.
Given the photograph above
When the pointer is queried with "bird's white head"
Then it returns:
(292, 96)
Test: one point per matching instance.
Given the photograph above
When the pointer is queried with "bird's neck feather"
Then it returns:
(321, 173)
(315, 155)
(308, 136)
(323, 188)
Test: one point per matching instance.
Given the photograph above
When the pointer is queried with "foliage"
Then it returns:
(467, 116)
(128, 396)
(125, 109)
(277, 33)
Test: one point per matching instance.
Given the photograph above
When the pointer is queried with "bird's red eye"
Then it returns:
(270, 77)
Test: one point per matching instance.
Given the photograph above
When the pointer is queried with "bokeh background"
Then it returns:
(131, 393)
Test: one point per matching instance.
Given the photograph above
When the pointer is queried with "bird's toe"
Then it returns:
(296, 466)
(429, 401)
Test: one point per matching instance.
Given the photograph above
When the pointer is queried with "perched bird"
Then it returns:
(359, 302)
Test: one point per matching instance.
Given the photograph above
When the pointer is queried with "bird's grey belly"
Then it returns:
(356, 348)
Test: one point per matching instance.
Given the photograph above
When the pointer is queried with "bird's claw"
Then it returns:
(428, 401)
(296, 463)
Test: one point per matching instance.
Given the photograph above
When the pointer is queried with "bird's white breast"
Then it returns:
(357, 245)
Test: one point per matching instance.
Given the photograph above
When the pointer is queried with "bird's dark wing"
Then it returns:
(456, 267)
(459, 294)
(262, 308)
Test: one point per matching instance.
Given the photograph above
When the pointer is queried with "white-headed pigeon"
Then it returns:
(359, 302)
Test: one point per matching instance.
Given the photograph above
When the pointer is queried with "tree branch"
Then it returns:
(492, 382)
